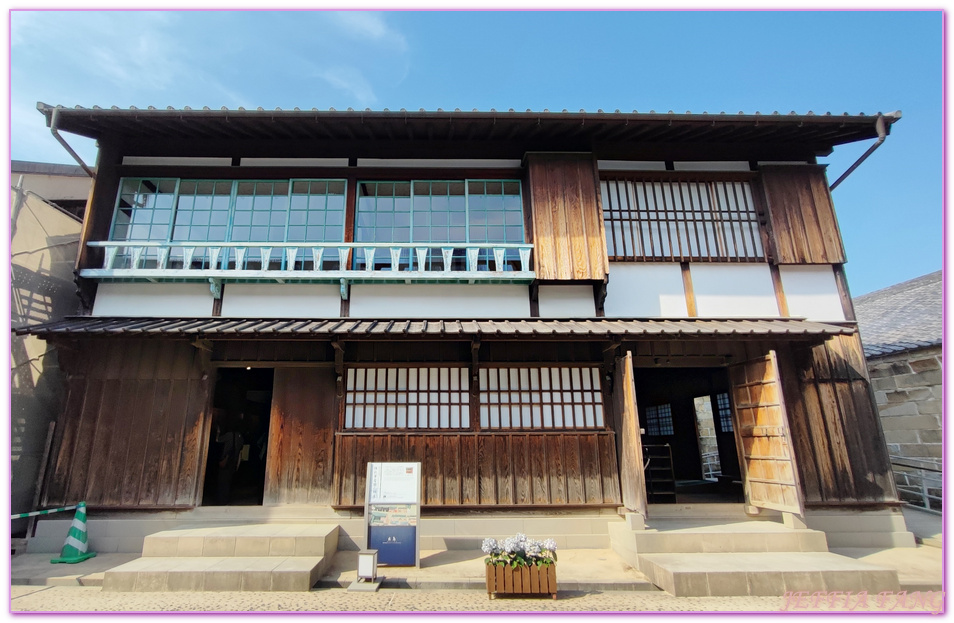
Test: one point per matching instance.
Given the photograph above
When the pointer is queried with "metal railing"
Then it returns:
(313, 261)
(919, 482)
(711, 468)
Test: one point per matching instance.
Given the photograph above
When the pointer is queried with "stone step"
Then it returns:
(710, 511)
(763, 574)
(210, 573)
(244, 541)
(673, 536)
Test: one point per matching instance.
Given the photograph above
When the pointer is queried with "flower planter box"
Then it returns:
(532, 580)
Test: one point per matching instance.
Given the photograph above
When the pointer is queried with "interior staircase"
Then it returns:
(257, 557)
(727, 553)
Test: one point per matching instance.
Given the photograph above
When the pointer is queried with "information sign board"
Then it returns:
(392, 512)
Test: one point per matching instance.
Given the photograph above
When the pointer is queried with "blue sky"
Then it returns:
(889, 210)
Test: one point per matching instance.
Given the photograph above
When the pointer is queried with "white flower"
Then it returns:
(490, 546)
(550, 545)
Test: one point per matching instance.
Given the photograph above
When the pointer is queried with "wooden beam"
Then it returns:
(690, 293)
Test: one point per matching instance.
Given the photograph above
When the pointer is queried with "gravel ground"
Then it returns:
(93, 599)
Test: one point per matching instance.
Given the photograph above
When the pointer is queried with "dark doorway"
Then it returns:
(235, 471)
(685, 413)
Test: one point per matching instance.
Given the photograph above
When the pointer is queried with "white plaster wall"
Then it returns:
(441, 163)
(177, 161)
(638, 290)
(733, 290)
(566, 302)
(631, 165)
(713, 165)
(811, 292)
(293, 162)
(448, 301)
(281, 300)
(159, 300)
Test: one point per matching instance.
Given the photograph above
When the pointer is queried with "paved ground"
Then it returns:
(926, 526)
(590, 580)
(88, 599)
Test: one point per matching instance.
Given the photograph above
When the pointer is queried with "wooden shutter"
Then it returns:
(763, 437)
(568, 238)
(802, 220)
(632, 478)
(299, 466)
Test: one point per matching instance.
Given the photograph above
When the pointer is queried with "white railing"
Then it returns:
(312, 261)
(711, 470)
(919, 483)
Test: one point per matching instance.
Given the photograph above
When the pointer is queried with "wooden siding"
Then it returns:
(762, 434)
(632, 476)
(301, 437)
(133, 433)
(568, 237)
(835, 427)
(803, 227)
(487, 469)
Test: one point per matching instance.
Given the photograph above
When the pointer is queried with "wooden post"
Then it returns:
(632, 476)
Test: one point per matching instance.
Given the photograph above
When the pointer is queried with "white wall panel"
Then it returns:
(278, 300)
(159, 300)
(811, 292)
(733, 290)
(449, 301)
(638, 290)
(566, 302)
(714, 165)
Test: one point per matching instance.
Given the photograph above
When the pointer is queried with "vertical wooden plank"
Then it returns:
(345, 469)
(451, 462)
(539, 462)
(557, 468)
(87, 418)
(172, 440)
(433, 470)
(99, 463)
(149, 481)
(609, 471)
(140, 420)
(362, 458)
(110, 477)
(521, 469)
(592, 481)
(578, 265)
(574, 471)
(690, 292)
(192, 440)
(558, 217)
(505, 480)
(631, 462)
(544, 252)
(469, 473)
(486, 469)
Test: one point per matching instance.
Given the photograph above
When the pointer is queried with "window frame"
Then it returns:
(751, 219)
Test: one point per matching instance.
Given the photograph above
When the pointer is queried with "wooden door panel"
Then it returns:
(632, 476)
(762, 432)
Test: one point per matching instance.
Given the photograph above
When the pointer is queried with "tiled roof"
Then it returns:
(902, 317)
(820, 131)
(285, 328)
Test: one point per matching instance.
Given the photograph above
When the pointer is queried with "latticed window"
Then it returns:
(659, 420)
(440, 214)
(406, 398)
(540, 397)
(663, 220)
(181, 211)
(724, 412)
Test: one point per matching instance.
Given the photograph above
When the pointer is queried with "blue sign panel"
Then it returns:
(396, 545)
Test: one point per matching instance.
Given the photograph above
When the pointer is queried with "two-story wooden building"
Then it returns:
(529, 303)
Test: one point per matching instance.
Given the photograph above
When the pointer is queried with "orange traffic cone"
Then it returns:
(76, 548)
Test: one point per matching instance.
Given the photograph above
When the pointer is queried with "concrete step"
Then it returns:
(210, 573)
(709, 511)
(763, 573)
(675, 536)
(245, 541)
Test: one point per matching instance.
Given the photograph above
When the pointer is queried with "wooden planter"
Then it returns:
(531, 580)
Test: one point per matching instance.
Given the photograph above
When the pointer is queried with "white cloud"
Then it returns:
(351, 81)
(363, 24)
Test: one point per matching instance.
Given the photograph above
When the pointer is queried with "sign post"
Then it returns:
(392, 512)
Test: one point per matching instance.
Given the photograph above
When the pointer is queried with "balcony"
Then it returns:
(294, 262)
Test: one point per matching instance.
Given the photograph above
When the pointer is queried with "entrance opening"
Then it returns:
(235, 471)
(688, 435)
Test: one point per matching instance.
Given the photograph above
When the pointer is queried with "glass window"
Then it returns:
(540, 397)
(724, 412)
(143, 213)
(440, 213)
(680, 221)
(659, 420)
(407, 398)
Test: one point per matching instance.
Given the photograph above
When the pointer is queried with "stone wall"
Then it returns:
(908, 392)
